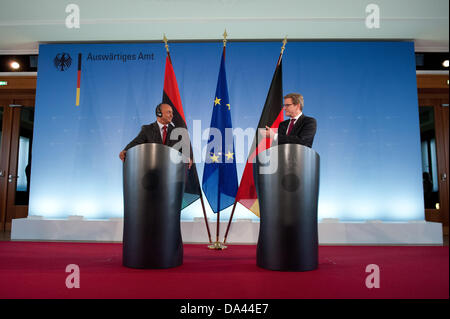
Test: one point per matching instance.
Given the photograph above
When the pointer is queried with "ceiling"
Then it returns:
(24, 24)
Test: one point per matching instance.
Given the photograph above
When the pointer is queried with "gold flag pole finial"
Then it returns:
(225, 38)
(284, 44)
(165, 41)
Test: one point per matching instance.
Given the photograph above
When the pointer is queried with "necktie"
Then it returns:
(291, 125)
(164, 134)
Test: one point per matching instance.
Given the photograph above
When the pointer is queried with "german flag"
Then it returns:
(77, 102)
(272, 116)
(171, 96)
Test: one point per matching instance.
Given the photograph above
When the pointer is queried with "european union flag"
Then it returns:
(220, 181)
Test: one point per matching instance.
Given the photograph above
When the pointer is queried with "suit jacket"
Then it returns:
(302, 133)
(151, 134)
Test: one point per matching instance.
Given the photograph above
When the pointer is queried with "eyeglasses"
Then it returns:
(286, 105)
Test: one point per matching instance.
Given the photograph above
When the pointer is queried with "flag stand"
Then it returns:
(217, 245)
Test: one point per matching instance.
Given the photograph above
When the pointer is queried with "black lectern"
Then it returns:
(287, 184)
(153, 185)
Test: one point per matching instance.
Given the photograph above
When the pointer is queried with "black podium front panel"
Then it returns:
(287, 183)
(153, 185)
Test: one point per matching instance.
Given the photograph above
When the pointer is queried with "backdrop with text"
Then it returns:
(363, 95)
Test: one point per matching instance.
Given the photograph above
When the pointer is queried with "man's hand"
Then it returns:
(268, 132)
(190, 164)
(122, 155)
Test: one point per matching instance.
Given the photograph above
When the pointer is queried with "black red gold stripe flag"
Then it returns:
(272, 116)
(77, 102)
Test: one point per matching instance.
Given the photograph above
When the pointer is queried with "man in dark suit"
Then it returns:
(157, 132)
(299, 129)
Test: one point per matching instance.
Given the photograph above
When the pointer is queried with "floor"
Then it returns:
(51, 270)
(6, 236)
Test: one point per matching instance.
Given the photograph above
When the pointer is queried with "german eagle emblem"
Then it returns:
(62, 61)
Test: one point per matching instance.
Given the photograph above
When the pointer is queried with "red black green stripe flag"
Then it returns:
(171, 96)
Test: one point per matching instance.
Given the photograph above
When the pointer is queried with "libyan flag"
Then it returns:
(171, 96)
(272, 116)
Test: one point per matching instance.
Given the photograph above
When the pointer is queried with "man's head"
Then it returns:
(164, 113)
(293, 104)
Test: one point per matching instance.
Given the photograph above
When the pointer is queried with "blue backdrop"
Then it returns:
(363, 95)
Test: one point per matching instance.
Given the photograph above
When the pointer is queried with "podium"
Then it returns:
(153, 185)
(287, 184)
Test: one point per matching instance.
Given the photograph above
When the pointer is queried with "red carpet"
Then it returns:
(37, 270)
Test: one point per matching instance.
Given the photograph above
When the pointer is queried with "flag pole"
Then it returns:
(218, 226)
(229, 222)
(201, 195)
(218, 245)
(282, 49)
(235, 202)
(204, 215)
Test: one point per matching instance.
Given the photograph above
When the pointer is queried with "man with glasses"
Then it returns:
(299, 129)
